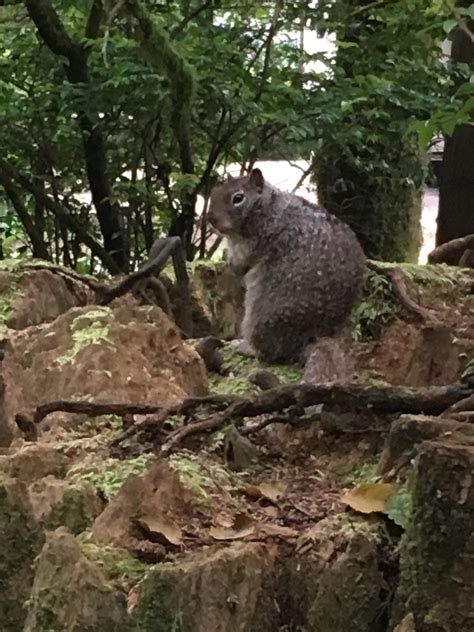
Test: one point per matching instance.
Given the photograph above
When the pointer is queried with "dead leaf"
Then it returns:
(268, 491)
(407, 625)
(252, 491)
(270, 511)
(133, 599)
(242, 527)
(159, 529)
(270, 529)
(223, 520)
(369, 497)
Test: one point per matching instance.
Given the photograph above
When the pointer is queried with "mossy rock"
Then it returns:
(334, 583)
(77, 510)
(224, 591)
(70, 593)
(21, 540)
(437, 574)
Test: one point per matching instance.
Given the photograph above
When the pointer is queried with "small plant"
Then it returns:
(376, 310)
(108, 475)
(197, 478)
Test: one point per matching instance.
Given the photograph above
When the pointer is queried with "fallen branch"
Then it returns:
(397, 279)
(354, 397)
(28, 425)
(452, 251)
(93, 409)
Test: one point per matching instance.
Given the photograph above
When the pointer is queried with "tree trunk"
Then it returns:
(382, 204)
(39, 248)
(456, 193)
(55, 36)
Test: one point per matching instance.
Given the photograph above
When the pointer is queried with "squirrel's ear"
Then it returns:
(230, 177)
(257, 180)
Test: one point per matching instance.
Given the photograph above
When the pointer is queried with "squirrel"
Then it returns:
(303, 267)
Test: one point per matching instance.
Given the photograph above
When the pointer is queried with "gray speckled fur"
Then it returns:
(303, 267)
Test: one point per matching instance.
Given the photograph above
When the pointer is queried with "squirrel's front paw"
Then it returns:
(242, 347)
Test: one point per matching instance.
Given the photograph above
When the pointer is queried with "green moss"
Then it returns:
(362, 473)
(108, 474)
(376, 310)
(77, 510)
(20, 543)
(87, 329)
(117, 565)
(160, 609)
(240, 369)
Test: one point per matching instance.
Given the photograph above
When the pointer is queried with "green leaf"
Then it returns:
(398, 509)
(449, 25)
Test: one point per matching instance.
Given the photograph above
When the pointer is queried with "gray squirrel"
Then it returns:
(303, 267)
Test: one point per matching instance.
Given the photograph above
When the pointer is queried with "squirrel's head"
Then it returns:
(233, 203)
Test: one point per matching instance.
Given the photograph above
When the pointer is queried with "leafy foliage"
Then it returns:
(233, 84)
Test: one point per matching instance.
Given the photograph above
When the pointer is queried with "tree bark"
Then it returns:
(456, 192)
(39, 248)
(55, 36)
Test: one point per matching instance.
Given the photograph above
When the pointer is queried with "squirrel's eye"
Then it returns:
(238, 198)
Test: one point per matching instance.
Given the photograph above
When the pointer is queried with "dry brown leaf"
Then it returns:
(160, 529)
(369, 497)
(271, 529)
(269, 491)
(270, 511)
(242, 527)
(407, 625)
(252, 491)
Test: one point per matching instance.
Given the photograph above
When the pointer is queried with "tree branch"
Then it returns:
(61, 213)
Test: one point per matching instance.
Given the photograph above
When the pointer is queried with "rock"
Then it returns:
(407, 435)
(21, 540)
(436, 569)
(70, 593)
(130, 354)
(334, 581)
(34, 461)
(224, 590)
(77, 509)
(157, 498)
(412, 355)
(30, 297)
